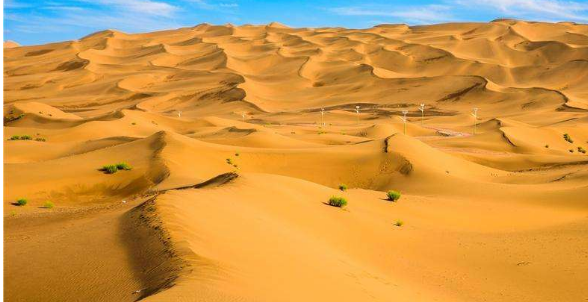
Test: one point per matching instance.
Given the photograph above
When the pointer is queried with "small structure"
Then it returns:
(475, 115)
(404, 119)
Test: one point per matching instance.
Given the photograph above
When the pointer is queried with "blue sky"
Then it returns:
(36, 22)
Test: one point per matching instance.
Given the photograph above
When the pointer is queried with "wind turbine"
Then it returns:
(475, 115)
(404, 112)
(422, 109)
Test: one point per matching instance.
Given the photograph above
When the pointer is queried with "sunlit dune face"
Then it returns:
(267, 163)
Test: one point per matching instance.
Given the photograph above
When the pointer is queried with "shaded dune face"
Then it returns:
(233, 163)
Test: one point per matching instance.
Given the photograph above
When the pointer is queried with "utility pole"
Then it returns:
(422, 109)
(404, 112)
(475, 115)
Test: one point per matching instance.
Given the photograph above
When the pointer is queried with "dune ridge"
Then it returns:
(237, 136)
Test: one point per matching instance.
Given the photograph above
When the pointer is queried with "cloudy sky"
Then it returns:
(36, 22)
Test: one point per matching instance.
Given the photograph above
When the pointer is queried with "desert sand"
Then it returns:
(496, 215)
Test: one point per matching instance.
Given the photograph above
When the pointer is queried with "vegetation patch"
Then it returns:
(399, 223)
(582, 150)
(21, 202)
(48, 205)
(20, 138)
(109, 169)
(337, 201)
(393, 195)
(343, 187)
(232, 162)
(568, 138)
(8, 119)
(123, 166)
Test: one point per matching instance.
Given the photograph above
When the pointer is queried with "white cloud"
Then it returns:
(547, 10)
(220, 6)
(153, 8)
(228, 5)
(462, 10)
(413, 14)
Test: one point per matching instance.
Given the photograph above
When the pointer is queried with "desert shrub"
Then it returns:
(40, 139)
(393, 195)
(571, 150)
(568, 138)
(22, 202)
(229, 161)
(343, 187)
(582, 150)
(236, 153)
(133, 123)
(48, 205)
(110, 169)
(546, 146)
(399, 223)
(8, 119)
(21, 137)
(337, 201)
(123, 166)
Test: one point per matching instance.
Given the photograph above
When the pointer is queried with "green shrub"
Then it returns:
(14, 138)
(337, 201)
(110, 169)
(48, 205)
(26, 137)
(229, 161)
(22, 202)
(40, 139)
(123, 166)
(343, 187)
(393, 195)
(399, 223)
(568, 138)
(582, 150)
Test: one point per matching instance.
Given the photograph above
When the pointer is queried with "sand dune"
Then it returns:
(233, 160)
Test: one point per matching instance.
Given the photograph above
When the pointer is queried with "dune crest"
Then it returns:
(197, 164)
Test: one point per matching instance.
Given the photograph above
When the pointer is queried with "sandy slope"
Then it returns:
(496, 216)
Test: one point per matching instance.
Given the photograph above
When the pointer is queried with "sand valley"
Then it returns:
(236, 137)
